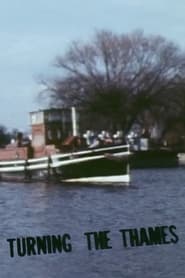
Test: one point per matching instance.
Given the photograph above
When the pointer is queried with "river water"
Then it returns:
(155, 198)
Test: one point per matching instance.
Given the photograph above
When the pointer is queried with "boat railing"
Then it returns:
(21, 165)
(11, 162)
(92, 151)
(58, 160)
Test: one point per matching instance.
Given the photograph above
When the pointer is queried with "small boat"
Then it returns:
(100, 165)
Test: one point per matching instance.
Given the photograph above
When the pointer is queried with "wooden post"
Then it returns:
(27, 173)
(49, 167)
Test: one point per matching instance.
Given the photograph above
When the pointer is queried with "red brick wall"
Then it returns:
(44, 151)
(13, 153)
(38, 130)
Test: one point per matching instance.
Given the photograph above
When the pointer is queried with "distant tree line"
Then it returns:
(5, 136)
(122, 79)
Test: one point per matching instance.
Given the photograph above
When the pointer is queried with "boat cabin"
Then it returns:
(49, 128)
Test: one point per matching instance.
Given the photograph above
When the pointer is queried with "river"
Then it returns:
(156, 197)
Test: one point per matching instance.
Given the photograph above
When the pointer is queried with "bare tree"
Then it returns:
(4, 136)
(119, 77)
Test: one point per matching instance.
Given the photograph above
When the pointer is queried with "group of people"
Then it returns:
(94, 139)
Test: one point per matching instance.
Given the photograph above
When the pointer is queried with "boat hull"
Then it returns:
(104, 170)
(102, 179)
(99, 165)
(154, 159)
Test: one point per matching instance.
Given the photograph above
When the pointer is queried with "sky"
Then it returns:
(34, 32)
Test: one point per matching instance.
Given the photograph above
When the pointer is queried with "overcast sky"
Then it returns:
(34, 32)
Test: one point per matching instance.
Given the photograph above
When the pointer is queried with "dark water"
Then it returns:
(155, 197)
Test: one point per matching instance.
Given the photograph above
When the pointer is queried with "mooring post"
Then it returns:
(128, 162)
(49, 166)
(27, 173)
